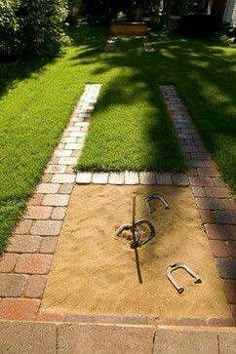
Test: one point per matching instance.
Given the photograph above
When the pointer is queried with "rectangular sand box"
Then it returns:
(94, 272)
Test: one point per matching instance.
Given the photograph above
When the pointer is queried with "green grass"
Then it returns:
(134, 132)
(130, 127)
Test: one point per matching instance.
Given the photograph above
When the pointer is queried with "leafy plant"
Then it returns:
(42, 24)
(9, 28)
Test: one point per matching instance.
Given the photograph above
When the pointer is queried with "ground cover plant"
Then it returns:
(38, 96)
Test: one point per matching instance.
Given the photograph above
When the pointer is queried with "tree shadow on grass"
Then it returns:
(11, 73)
(202, 71)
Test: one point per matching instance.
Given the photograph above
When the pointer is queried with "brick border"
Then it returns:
(213, 198)
(133, 178)
(28, 258)
(27, 261)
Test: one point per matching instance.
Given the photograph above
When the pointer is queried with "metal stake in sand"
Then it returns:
(135, 242)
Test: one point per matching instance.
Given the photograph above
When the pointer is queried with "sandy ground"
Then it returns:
(94, 272)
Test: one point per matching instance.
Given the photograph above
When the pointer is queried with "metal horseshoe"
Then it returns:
(176, 266)
(139, 242)
(150, 208)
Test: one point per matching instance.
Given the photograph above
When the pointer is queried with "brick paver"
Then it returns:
(27, 261)
(8, 262)
(48, 245)
(19, 309)
(24, 244)
(35, 286)
(213, 198)
(46, 228)
(56, 200)
(33, 264)
(38, 212)
(12, 285)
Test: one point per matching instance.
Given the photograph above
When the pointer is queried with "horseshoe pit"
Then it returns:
(94, 270)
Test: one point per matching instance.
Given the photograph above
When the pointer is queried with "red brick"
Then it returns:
(210, 203)
(24, 244)
(192, 172)
(48, 245)
(19, 309)
(233, 311)
(35, 286)
(56, 200)
(229, 204)
(225, 217)
(211, 164)
(221, 232)
(46, 228)
(36, 199)
(202, 181)
(219, 248)
(220, 322)
(47, 316)
(38, 212)
(12, 285)
(208, 172)
(8, 262)
(207, 216)
(219, 182)
(197, 164)
(201, 156)
(58, 213)
(199, 192)
(217, 192)
(230, 290)
(23, 227)
(232, 248)
(33, 264)
(226, 267)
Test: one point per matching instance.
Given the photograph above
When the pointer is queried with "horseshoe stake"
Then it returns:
(176, 266)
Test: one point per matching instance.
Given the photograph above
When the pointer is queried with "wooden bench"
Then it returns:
(129, 29)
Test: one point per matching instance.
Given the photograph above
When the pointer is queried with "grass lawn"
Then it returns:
(204, 74)
(130, 128)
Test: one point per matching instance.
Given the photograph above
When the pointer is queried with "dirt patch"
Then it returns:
(94, 272)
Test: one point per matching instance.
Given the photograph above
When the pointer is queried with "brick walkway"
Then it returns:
(27, 261)
(213, 199)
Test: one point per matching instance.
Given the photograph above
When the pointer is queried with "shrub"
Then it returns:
(42, 24)
(9, 28)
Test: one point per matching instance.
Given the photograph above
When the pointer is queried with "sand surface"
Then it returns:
(94, 272)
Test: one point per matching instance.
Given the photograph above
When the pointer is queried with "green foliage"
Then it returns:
(42, 26)
(32, 27)
(9, 27)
